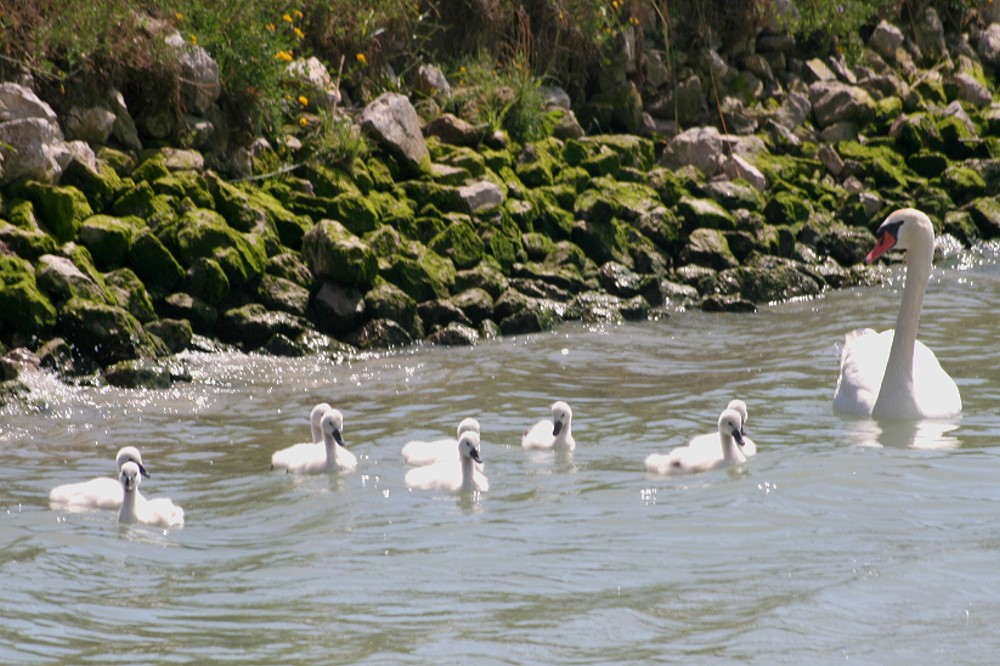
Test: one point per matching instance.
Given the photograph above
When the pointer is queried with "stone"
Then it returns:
(392, 122)
(452, 130)
(106, 333)
(199, 75)
(480, 196)
(91, 124)
(708, 247)
(278, 293)
(988, 44)
(180, 305)
(60, 279)
(125, 289)
(108, 238)
(380, 334)
(885, 39)
(175, 333)
(387, 301)
(338, 309)
(700, 147)
(23, 306)
(835, 102)
(141, 373)
(454, 335)
(251, 326)
(319, 86)
(334, 253)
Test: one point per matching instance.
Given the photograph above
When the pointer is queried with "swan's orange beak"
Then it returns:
(885, 241)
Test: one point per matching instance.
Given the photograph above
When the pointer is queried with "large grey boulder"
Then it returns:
(32, 145)
(200, 82)
(700, 147)
(835, 102)
(92, 124)
(392, 121)
(320, 86)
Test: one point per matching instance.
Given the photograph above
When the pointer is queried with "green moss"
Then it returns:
(153, 262)
(962, 183)
(23, 308)
(190, 184)
(204, 233)
(26, 243)
(334, 253)
(633, 151)
(425, 277)
(787, 208)
(459, 242)
(109, 239)
(60, 210)
(151, 169)
(141, 201)
(958, 141)
(328, 181)
(128, 292)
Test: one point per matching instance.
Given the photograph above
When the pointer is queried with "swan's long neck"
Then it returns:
(561, 440)
(126, 514)
(730, 449)
(331, 451)
(468, 472)
(897, 383)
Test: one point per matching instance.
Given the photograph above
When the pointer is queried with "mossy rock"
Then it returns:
(962, 183)
(59, 210)
(501, 247)
(633, 151)
(122, 162)
(536, 245)
(535, 166)
(109, 239)
(459, 242)
(251, 326)
(59, 278)
(887, 110)
(425, 277)
(27, 243)
(609, 199)
(385, 241)
(985, 213)
(153, 262)
(355, 212)
(882, 164)
(206, 279)
(21, 213)
(668, 187)
(387, 301)
(733, 195)
(334, 253)
(277, 293)
(393, 210)
(931, 90)
(770, 283)
(128, 291)
(576, 178)
(140, 200)
(190, 184)
(958, 141)
(605, 163)
(442, 197)
(603, 240)
(708, 247)
(959, 223)
(290, 266)
(98, 186)
(787, 208)
(551, 218)
(330, 181)
(465, 158)
(107, 333)
(928, 163)
(23, 307)
(289, 227)
(496, 160)
(151, 169)
(175, 333)
(705, 213)
(487, 276)
(204, 233)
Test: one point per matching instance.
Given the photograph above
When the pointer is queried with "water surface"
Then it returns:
(841, 541)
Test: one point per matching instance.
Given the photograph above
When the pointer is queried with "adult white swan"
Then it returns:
(137, 509)
(456, 475)
(99, 493)
(687, 459)
(555, 434)
(892, 375)
(420, 452)
(330, 455)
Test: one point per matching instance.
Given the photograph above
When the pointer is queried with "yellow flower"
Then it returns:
(304, 121)
(270, 27)
(303, 100)
(194, 39)
(283, 55)
(286, 18)
(180, 17)
(462, 69)
(298, 13)
(298, 33)
(362, 59)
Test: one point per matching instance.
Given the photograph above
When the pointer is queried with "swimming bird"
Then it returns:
(712, 438)
(99, 493)
(137, 509)
(456, 475)
(555, 434)
(419, 452)
(330, 455)
(688, 459)
(892, 375)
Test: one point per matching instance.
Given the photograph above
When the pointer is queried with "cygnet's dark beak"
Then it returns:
(337, 437)
(142, 470)
(474, 454)
(556, 427)
(738, 436)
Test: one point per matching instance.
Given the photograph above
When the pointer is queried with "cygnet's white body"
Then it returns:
(99, 493)
(419, 452)
(711, 439)
(330, 455)
(556, 434)
(456, 475)
(137, 509)
(688, 459)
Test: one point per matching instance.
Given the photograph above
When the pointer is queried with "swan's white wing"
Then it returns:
(161, 511)
(420, 452)
(298, 455)
(346, 460)
(439, 476)
(935, 391)
(862, 365)
(100, 493)
(539, 437)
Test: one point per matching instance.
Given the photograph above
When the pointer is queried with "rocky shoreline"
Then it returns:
(115, 257)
